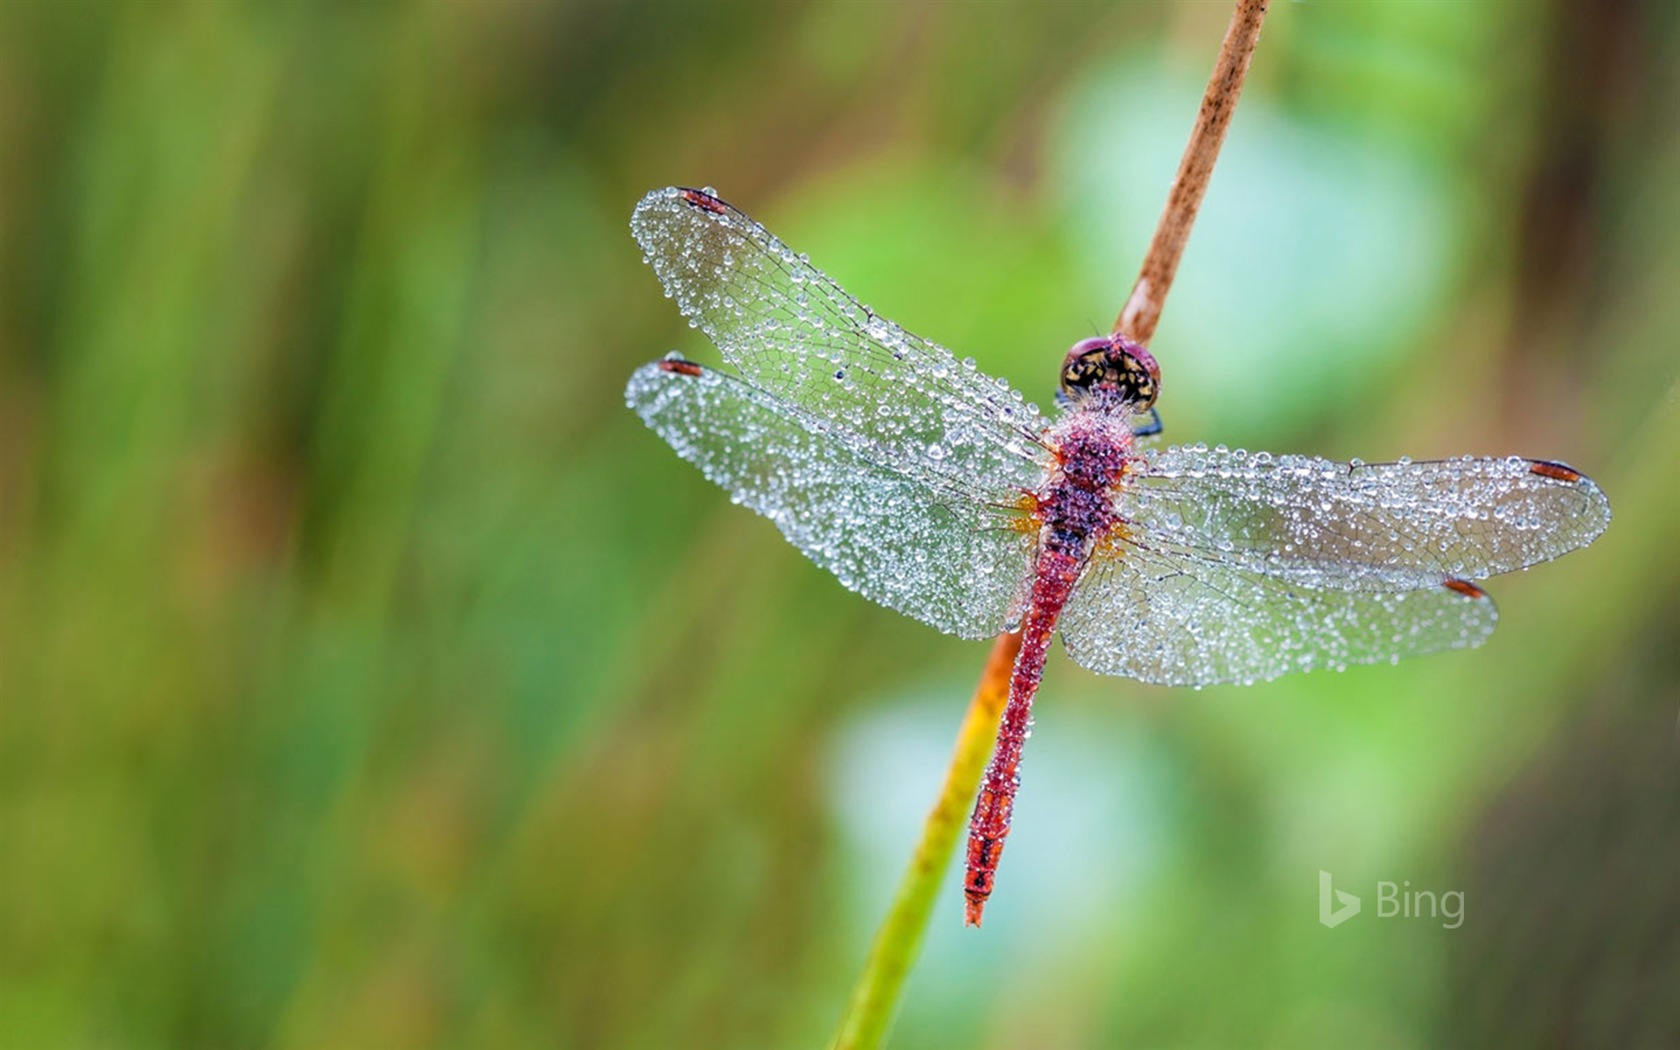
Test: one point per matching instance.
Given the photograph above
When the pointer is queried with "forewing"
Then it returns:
(1378, 526)
(949, 557)
(1164, 617)
(799, 336)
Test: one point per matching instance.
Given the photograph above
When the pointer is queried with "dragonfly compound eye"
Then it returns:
(1113, 368)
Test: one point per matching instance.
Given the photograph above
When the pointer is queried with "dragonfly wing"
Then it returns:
(1381, 526)
(952, 556)
(796, 334)
(1170, 618)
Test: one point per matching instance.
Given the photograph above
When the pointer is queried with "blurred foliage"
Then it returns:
(369, 676)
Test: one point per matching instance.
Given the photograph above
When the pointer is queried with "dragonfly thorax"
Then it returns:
(1076, 504)
(1109, 372)
(1091, 449)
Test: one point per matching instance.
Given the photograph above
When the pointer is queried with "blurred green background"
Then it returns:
(369, 676)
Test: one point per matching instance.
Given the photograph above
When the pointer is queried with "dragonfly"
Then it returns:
(938, 491)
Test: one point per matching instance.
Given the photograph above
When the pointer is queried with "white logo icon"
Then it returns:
(1348, 904)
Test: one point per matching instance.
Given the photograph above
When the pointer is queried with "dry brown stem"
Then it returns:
(1142, 311)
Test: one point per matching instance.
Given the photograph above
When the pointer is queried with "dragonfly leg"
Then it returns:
(1151, 428)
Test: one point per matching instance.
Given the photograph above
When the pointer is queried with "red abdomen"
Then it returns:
(1054, 574)
(1075, 511)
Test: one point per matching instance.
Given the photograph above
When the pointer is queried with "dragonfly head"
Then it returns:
(1113, 369)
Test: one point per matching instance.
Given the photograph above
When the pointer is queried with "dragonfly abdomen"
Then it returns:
(1076, 512)
(1055, 571)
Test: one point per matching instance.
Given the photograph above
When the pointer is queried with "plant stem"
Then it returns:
(875, 1000)
(900, 937)
(1143, 309)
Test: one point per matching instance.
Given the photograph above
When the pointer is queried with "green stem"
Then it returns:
(875, 999)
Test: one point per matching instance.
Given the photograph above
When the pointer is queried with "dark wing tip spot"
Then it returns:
(703, 200)
(1466, 588)
(1556, 471)
(680, 366)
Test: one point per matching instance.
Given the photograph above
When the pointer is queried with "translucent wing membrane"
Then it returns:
(799, 336)
(903, 471)
(1380, 526)
(948, 556)
(1173, 618)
